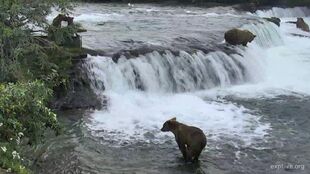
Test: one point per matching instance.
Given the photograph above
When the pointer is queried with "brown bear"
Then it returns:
(191, 140)
(239, 37)
(301, 24)
(61, 17)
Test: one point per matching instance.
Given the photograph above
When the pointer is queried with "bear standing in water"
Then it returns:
(191, 140)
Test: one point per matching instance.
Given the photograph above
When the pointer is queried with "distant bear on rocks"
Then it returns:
(239, 37)
(191, 140)
(301, 24)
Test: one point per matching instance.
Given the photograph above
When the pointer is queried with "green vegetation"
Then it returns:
(24, 115)
(22, 56)
(31, 66)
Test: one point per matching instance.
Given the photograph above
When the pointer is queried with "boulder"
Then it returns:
(274, 20)
(239, 37)
(301, 24)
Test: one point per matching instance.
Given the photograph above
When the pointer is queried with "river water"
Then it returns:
(160, 62)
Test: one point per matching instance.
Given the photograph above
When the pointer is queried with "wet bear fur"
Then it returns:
(191, 140)
(239, 37)
(301, 24)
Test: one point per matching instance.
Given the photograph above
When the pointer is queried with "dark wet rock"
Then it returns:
(101, 23)
(78, 94)
(239, 37)
(138, 49)
(251, 7)
(301, 24)
(299, 35)
(93, 52)
(291, 22)
(76, 54)
(81, 30)
(274, 20)
(136, 52)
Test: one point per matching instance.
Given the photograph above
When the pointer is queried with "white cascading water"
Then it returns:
(166, 72)
(146, 91)
(155, 72)
(286, 63)
(284, 12)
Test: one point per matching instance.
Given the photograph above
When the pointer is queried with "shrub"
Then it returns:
(23, 114)
(23, 109)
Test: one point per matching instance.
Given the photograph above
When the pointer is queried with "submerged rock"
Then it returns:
(301, 24)
(274, 20)
(239, 37)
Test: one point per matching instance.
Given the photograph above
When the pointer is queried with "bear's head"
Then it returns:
(169, 125)
(252, 37)
(300, 20)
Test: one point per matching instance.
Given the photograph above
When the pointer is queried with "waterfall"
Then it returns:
(142, 92)
(284, 12)
(268, 35)
(167, 72)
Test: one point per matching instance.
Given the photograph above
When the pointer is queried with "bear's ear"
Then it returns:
(173, 119)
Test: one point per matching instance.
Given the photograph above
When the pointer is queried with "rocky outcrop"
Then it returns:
(274, 20)
(78, 94)
(301, 24)
(239, 37)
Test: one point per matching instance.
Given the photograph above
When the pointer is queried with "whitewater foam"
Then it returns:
(132, 115)
(284, 12)
(286, 67)
(96, 17)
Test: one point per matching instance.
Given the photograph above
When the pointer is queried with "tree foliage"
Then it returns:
(23, 114)
(30, 67)
(23, 56)
(23, 109)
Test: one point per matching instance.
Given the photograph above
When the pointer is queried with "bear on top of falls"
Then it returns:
(239, 37)
(191, 140)
(301, 24)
